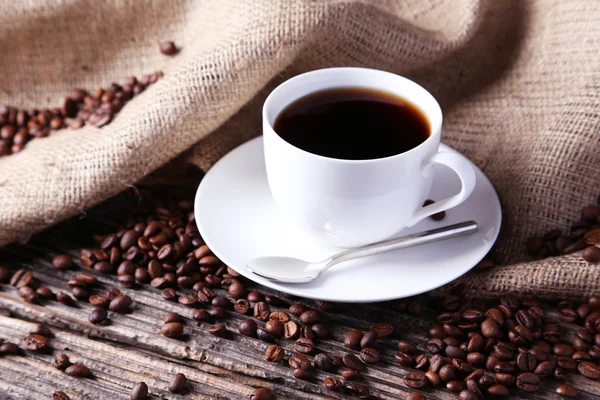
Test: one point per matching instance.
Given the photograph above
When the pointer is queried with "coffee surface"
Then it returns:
(353, 124)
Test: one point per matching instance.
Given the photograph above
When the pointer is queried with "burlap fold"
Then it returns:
(518, 82)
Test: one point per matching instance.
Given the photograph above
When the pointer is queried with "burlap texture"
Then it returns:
(518, 82)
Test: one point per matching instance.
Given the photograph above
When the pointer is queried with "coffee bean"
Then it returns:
(382, 329)
(98, 315)
(78, 370)
(456, 386)
(580, 356)
(486, 381)
(237, 290)
(350, 374)
(280, 316)
(455, 352)
(296, 309)
(414, 396)
(474, 388)
(489, 328)
(332, 383)
(304, 345)
(21, 278)
(453, 331)
(437, 216)
(310, 317)
(261, 394)
(301, 373)
(291, 330)
(422, 362)
(274, 353)
(432, 377)
(475, 375)
(352, 362)
(404, 359)
(60, 396)
(65, 299)
(407, 347)
(415, 380)
(171, 317)
(352, 339)
(120, 304)
(139, 391)
(204, 294)
(320, 330)
(467, 395)
(263, 335)
(504, 367)
(462, 366)
(126, 281)
(476, 359)
(559, 374)
(218, 330)
(371, 356)
(357, 390)
(528, 382)
(9, 348)
(178, 383)
(28, 294)
(589, 370)
(172, 330)
(497, 314)
(222, 301)
(202, 315)
(248, 327)
(565, 390)
(61, 362)
(567, 363)
(169, 294)
(168, 48)
(498, 390)
(35, 342)
(262, 311)
(591, 254)
(447, 373)
(298, 361)
(274, 327)
(435, 346)
(505, 379)
(324, 362)
(62, 261)
(526, 362)
(437, 362)
(437, 331)
(187, 300)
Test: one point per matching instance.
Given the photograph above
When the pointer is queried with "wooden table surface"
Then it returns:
(130, 349)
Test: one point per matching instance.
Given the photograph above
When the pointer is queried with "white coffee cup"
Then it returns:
(351, 203)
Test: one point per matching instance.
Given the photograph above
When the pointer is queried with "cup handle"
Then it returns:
(465, 172)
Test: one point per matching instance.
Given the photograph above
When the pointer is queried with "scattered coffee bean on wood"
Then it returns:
(35, 342)
(218, 330)
(78, 370)
(274, 353)
(415, 396)
(332, 383)
(139, 391)
(565, 390)
(59, 395)
(61, 362)
(261, 394)
(98, 315)
(178, 383)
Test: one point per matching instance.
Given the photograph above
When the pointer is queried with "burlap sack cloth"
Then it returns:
(518, 82)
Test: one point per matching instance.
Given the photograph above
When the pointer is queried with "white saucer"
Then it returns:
(239, 221)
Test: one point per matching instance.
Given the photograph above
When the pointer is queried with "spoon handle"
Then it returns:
(416, 239)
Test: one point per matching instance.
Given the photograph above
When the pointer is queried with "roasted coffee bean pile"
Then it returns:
(80, 107)
(479, 349)
(476, 349)
(583, 236)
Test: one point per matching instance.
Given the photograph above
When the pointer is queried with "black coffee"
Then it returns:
(353, 124)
